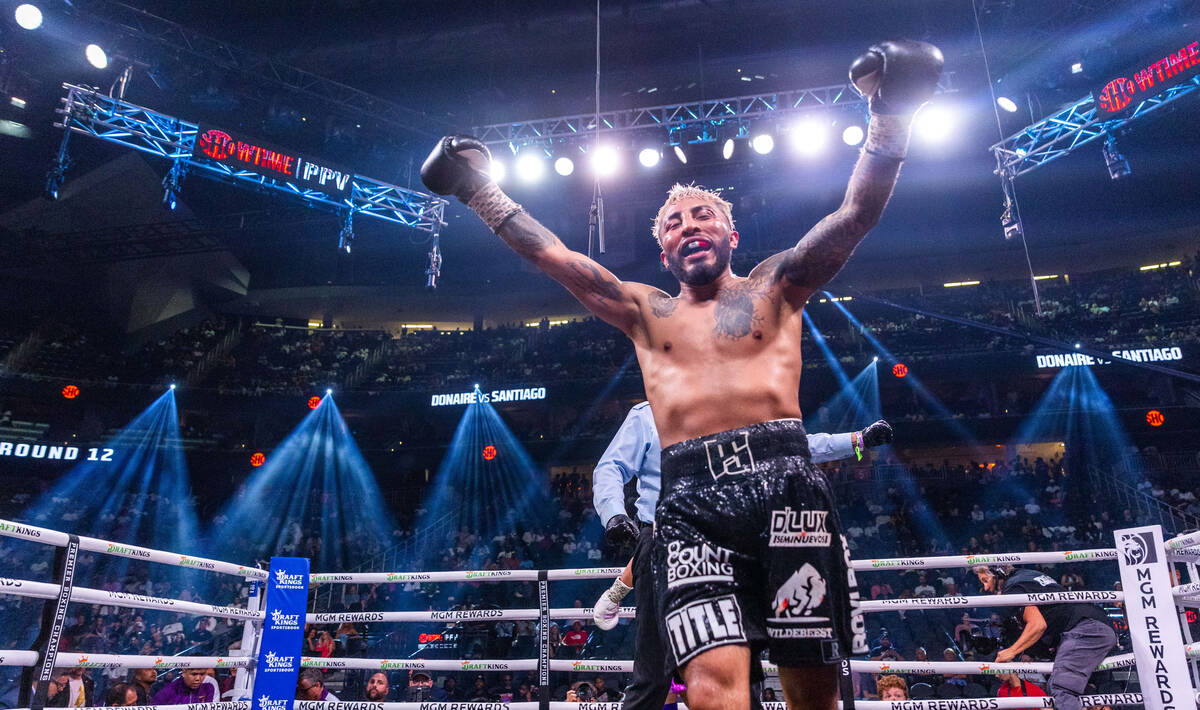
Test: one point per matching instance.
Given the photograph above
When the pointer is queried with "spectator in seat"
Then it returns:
(311, 686)
(121, 695)
(892, 687)
(1013, 686)
(143, 684)
(576, 638)
(377, 688)
(188, 688)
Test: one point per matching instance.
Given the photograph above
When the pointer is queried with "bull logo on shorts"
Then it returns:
(729, 458)
(800, 594)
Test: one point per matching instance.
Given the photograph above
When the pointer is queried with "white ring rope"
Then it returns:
(468, 615)
(930, 704)
(223, 705)
(1014, 558)
(897, 563)
(987, 600)
(47, 536)
(84, 595)
(1191, 539)
(1187, 554)
(19, 658)
(1186, 590)
(106, 660)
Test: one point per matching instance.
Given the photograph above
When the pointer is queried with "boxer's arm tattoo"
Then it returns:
(589, 276)
(825, 249)
(526, 235)
(734, 316)
(661, 305)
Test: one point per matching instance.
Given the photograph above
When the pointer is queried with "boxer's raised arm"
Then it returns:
(458, 165)
(595, 286)
(896, 78)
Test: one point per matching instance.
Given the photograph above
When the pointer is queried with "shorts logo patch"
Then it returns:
(702, 625)
(694, 564)
(803, 592)
(799, 528)
(729, 458)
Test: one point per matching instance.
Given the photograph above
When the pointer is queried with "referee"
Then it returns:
(635, 453)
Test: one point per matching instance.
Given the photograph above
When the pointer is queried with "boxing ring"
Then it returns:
(40, 662)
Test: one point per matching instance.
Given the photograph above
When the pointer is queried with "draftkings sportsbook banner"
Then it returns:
(282, 635)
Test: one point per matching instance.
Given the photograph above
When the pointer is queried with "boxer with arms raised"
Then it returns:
(748, 552)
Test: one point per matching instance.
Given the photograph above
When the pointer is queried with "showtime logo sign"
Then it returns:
(1165, 72)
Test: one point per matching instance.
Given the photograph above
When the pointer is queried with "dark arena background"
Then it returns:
(235, 325)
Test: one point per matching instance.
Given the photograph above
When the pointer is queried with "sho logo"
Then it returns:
(702, 625)
(803, 592)
(729, 458)
(1138, 548)
(280, 620)
(798, 528)
(697, 563)
(283, 580)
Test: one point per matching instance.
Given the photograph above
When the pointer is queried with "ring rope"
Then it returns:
(46, 536)
(898, 563)
(84, 595)
(988, 600)
(1191, 539)
(626, 612)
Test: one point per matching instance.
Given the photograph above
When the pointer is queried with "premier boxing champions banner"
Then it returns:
(282, 636)
(1153, 620)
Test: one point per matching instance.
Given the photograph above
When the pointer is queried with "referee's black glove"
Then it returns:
(877, 434)
(620, 531)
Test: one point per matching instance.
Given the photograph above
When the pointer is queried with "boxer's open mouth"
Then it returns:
(694, 247)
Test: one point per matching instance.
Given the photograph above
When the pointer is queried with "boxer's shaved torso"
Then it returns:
(720, 358)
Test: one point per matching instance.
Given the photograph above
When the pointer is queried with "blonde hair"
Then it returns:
(891, 681)
(679, 192)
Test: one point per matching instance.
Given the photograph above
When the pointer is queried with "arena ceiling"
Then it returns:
(447, 67)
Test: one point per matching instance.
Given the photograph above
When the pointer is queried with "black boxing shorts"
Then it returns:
(749, 549)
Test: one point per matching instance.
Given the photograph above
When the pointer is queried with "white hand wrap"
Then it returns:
(493, 206)
(604, 614)
(887, 135)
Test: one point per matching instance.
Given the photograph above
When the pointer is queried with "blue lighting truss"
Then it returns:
(113, 120)
(1076, 125)
(686, 123)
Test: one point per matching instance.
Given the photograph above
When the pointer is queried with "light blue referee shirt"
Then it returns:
(636, 451)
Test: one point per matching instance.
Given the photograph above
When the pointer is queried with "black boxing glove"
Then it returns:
(457, 165)
(620, 530)
(876, 434)
(897, 76)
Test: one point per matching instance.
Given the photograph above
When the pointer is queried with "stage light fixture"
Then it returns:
(853, 135)
(763, 143)
(28, 16)
(1007, 104)
(727, 149)
(497, 170)
(564, 166)
(96, 56)
(649, 157)
(809, 137)
(1118, 165)
(682, 156)
(531, 167)
(172, 385)
(605, 161)
(1077, 68)
(933, 124)
(329, 391)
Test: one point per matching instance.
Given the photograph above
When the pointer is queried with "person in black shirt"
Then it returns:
(1079, 633)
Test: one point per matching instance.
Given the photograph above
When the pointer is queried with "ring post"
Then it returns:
(543, 640)
(250, 638)
(278, 665)
(1153, 622)
(54, 614)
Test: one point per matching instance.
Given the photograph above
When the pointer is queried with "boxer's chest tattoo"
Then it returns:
(662, 306)
(734, 316)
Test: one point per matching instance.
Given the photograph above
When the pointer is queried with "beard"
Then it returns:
(703, 273)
